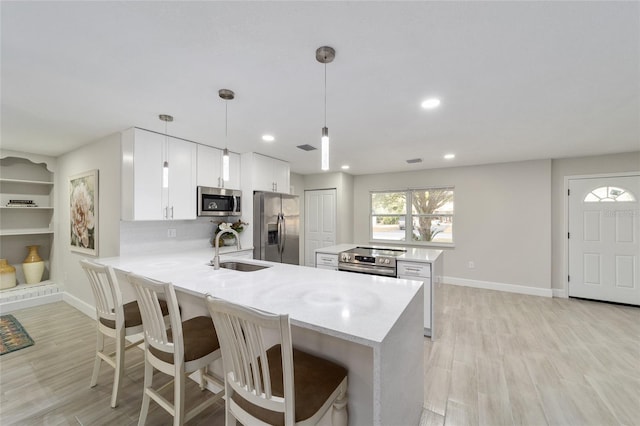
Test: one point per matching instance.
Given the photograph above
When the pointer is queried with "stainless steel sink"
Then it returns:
(241, 266)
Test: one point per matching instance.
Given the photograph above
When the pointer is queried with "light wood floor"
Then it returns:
(498, 359)
(503, 358)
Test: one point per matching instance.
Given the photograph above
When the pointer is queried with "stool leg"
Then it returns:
(229, 420)
(203, 381)
(339, 415)
(119, 373)
(148, 379)
(98, 360)
(178, 398)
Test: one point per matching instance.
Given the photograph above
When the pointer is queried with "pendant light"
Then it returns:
(324, 55)
(165, 165)
(227, 95)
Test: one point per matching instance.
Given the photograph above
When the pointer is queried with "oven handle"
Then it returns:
(374, 270)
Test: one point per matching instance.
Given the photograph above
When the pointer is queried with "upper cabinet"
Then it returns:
(210, 168)
(151, 191)
(266, 173)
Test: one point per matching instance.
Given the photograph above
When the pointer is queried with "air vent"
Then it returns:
(307, 147)
(414, 160)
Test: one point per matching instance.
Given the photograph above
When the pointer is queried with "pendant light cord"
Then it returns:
(226, 123)
(325, 94)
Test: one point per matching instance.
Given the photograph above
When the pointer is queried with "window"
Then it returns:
(419, 216)
(608, 194)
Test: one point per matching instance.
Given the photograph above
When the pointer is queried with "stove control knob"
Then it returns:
(386, 261)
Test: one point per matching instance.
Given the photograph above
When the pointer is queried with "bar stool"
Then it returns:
(113, 319)
(187, 347)
(280, 385)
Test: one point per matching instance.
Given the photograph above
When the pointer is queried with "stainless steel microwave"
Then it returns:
(219, 202)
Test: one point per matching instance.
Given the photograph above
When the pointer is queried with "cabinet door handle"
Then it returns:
(171, 212)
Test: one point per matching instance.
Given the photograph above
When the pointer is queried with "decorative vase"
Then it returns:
(229, 241)
(33, 266)
(7, 275)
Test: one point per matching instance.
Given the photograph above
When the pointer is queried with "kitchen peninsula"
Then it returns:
(412, 263)
(373, 325)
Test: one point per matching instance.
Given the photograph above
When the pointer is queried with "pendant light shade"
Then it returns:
(225, 165)
(165, 165)
(227, 95)
(325, 148)
(325, 55)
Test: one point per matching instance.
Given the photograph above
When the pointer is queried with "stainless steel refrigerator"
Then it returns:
(276, 230)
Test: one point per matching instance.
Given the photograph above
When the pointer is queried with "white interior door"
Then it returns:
(603, 238)
(319, 222)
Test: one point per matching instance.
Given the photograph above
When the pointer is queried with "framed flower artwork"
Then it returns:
(83, 213)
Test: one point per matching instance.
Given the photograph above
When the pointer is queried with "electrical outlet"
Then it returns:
(471, 264)
(171, 232)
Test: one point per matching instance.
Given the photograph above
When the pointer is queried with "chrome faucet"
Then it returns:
(216, 258)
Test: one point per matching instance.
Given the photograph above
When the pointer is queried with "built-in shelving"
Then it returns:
(26, 231)
(30, 182)
(26, 179)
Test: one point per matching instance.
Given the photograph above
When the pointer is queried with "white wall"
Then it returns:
(296, 182)
(103, 155)
(601, 164)
(502, 219)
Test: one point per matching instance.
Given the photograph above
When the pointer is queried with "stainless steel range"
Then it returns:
(370, 260)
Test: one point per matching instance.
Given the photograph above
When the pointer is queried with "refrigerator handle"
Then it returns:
(284, 233)
(279, 233)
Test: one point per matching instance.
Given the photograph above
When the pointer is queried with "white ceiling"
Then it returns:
(518, 80)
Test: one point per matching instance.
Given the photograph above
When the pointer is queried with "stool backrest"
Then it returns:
(149, 293)
(106, 292)
(241, 331)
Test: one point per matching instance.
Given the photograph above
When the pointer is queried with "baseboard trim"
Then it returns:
(80, 305)
(489, 285)
(14, 305)
(561, 293)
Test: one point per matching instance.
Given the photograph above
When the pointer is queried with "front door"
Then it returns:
(604, 230)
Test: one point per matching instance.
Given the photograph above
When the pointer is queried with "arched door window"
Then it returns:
(609, 194)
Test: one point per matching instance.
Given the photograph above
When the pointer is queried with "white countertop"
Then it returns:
(356, 307)
(414, 254)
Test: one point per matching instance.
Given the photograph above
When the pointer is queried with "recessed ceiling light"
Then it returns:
(430, 103)
(449, 156)
(345, 167)
(268, 138)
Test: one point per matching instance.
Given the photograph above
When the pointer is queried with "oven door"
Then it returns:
(367, 269)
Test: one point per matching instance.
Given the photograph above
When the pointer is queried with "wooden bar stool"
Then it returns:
(279, 385)
(114, 319)
(187, 347)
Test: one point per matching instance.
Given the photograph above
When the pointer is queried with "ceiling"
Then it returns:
(517, 80)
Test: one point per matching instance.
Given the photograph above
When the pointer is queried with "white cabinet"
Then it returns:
(25, 181)
(210, 168)
(146, 193)
(327, 261)
(421, 272)
(267, 174)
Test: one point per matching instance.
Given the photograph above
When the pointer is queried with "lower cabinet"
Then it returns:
(420, 272)
(327, 261)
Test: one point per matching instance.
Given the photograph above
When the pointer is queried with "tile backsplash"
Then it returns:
(148, 237)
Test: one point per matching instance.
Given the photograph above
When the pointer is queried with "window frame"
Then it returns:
(409, 216)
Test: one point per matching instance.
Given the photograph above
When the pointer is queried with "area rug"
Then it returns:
(12, 335)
